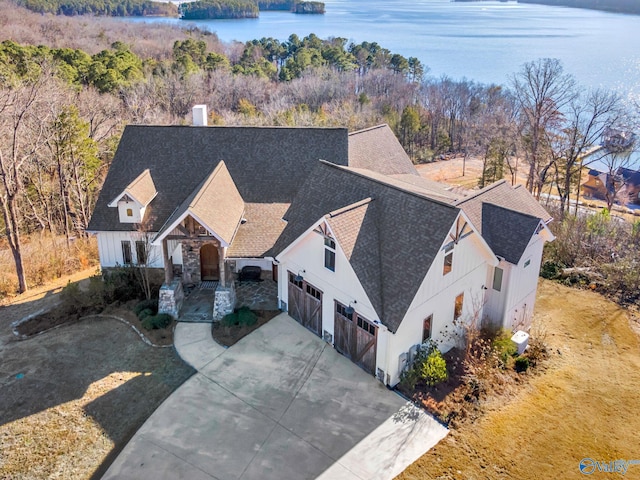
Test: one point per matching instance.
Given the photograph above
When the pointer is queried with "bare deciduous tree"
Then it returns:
(21, 137)
(542, 91)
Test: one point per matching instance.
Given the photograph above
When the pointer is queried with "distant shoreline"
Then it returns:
(613, 6)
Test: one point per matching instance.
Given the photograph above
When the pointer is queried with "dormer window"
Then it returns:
(134, 199)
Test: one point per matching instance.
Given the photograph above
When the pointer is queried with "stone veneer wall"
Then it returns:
(171, 297)
(191, 258)
(224, 301)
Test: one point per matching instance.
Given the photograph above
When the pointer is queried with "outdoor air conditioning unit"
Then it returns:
(402, 362)
(412, 353)
(327, 337)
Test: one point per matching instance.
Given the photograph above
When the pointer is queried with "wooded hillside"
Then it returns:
(69, 85)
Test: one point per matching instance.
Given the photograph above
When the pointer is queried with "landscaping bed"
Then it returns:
(98, 297)
(228, 333)
(457, 385)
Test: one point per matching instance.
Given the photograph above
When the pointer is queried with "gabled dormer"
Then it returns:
(134, 199)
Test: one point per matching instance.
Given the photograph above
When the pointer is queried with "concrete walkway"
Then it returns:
(280, 404)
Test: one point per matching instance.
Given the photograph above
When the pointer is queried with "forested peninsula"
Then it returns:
(109, 8)
(218, 9)
(198, 10)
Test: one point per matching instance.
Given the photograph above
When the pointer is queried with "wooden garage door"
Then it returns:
(355, 338)
(305, 304)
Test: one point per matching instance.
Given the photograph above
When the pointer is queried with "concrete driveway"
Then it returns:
(280, 404)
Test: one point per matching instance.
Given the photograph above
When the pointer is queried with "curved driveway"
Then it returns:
(280, 404)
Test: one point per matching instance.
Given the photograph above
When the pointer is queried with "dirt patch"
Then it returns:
(582, 405)
(228, 336)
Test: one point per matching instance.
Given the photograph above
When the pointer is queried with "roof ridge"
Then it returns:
(350, 207)
(368, 129)
(138, 178)
(514, 211)
(204, 185)
(395, 187)
(482, 191)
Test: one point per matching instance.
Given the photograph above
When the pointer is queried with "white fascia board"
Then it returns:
(493, 259)
(114, 202)
(158, 240)
(297, 240)
(546, 232)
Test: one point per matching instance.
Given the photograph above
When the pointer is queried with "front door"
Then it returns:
(209, 263)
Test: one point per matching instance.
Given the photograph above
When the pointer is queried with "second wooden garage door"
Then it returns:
(305, 304)
(355, 338)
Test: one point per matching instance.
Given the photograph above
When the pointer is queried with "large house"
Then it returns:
(366, 253)
(623, 186)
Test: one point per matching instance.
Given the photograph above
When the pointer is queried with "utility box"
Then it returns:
(521, 339)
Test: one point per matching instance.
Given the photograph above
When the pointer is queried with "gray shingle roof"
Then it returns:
(511, 212)
(507, 232)
(215, 203)
(378, 149)
(142, 189)
(263, 227)
(501, 193)
(400, 232)
(267, 164)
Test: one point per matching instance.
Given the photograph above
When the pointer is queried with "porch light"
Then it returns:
(350, 310)
(299, 277)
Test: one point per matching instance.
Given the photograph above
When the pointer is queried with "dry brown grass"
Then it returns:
(46, 258)
(585, 404)
(74, 395)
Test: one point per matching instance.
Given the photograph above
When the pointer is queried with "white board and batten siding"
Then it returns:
(110, 249)
(130, 211)
(522, 287)
(342, 285)
(437, 296)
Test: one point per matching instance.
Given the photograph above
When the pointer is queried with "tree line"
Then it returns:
(62, 111)
(112, 8)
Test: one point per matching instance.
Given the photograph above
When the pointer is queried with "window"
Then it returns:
(129, 212)
(315, 293)
(330, 254)
(448, 259)
(426, 328)
(126, 252)
(292, 279)
(341, 310)
(457, 310)
(141, 252)
(527, 263)
(366, 325)
(497, 279)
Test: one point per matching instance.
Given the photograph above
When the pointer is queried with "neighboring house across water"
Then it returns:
(624, 184)
(367, 254)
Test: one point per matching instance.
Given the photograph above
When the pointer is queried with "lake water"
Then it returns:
(482, 41)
